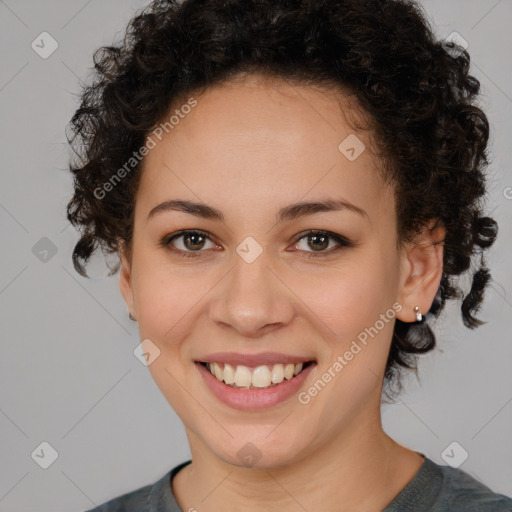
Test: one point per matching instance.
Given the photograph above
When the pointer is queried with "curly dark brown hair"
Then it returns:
(416, 89)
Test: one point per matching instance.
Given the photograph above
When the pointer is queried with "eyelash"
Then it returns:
(342, 241)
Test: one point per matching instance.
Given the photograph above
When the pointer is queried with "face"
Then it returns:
(257, 275)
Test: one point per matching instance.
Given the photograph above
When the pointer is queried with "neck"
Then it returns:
(361, 469)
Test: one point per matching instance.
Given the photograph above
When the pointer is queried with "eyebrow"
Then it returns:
(286, 214)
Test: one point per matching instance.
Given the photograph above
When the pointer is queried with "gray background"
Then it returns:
(68, 375)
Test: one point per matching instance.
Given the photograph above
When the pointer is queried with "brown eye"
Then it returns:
(191, 242)
(319, 242)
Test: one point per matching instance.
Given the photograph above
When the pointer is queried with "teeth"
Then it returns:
(261, 377)
(288, 371)
(229, 374)
(242, 377)
(277, 374)
(218, 372)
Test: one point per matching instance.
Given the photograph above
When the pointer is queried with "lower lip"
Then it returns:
(254, 399)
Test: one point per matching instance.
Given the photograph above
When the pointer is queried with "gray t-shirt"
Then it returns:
(433, 488)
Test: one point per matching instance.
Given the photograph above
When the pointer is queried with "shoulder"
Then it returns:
(156, 497)
(460, 491)
(136, 500)
(436, 488)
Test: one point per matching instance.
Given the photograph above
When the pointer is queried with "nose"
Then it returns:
(252, 300)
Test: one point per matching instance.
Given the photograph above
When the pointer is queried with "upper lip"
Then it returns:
(252, 360)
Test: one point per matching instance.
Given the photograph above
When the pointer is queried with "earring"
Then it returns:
(132, 317)
(419, 316)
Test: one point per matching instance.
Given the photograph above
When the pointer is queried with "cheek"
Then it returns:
(349, 298)
(166, 302)
(161, 296)
(354, 309)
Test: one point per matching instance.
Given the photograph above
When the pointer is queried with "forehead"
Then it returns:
(258, 142)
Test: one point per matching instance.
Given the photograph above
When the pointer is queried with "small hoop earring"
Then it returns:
(132, 317)
(419, 316)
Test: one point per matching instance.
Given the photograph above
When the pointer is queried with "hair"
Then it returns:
(416, 90)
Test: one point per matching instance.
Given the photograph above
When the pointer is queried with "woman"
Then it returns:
(292, 188)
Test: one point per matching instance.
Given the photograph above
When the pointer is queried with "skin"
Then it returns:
(249, 148)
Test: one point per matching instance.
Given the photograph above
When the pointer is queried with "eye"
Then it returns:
(320, 242)
(192, 242)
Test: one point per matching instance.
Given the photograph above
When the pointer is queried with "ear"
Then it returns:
(422, 269)
(125, 278)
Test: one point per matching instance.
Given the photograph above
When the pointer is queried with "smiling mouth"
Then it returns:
(260, 377)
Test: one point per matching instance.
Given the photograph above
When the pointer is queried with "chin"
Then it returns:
(259, 450)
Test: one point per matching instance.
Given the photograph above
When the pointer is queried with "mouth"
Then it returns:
(258, 377)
